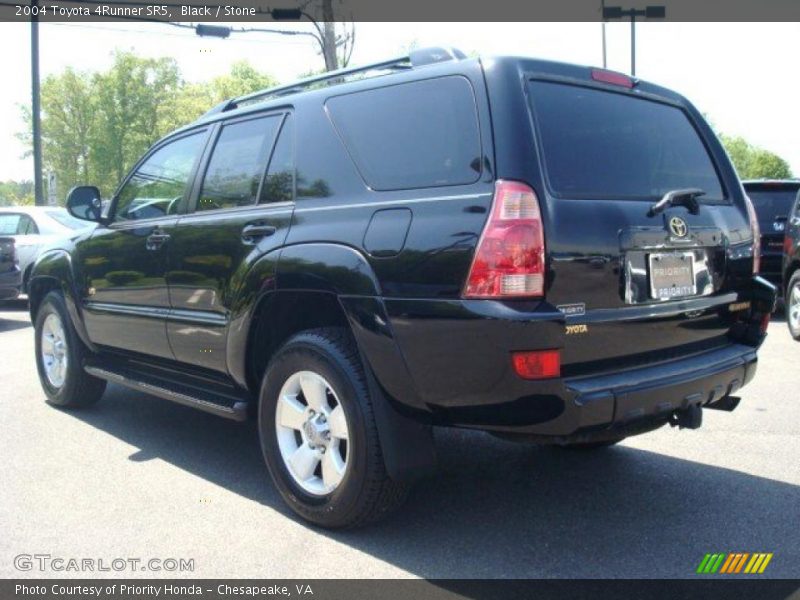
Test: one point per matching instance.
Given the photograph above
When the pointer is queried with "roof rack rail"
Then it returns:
(415, 58)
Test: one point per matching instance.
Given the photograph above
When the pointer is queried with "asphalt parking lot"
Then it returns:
(140, 477)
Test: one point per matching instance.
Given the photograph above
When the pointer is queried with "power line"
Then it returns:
(159, 33)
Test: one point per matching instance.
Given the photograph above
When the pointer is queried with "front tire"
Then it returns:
(792, 305)
(318, 433)
(60, 356)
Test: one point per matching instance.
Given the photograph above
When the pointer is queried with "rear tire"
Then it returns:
(60, 356)
(318, 433)
(792, 305)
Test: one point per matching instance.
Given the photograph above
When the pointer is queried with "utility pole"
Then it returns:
(36, 120)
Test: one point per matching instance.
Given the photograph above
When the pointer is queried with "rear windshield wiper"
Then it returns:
(687, 198)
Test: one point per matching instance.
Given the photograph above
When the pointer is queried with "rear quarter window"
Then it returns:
(411, 135)
(602, 144)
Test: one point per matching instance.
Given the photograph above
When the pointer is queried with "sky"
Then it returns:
(741, 75)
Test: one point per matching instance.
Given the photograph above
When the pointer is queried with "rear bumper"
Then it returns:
(10, 284)
(772, 267)
(655, 392)
(456, 355)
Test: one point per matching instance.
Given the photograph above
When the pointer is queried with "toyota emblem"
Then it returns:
(678, 227)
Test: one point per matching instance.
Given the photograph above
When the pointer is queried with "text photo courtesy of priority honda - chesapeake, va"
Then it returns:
(315, 300)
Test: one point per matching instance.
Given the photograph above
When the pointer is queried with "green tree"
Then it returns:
(95, 126)
(68, 125)
(752, 162)
(133, 101)
(16, 193)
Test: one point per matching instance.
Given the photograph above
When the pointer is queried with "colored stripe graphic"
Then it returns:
(734, 562)
(713, 566)
(728, 563)
(765, 563)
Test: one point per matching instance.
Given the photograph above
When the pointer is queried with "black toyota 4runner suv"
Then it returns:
(773, 201)
(551, 253)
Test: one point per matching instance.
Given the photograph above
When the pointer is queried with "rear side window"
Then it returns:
(237, 164)
(279, 181)
(599, 144)
(412, 135)
(17, 224)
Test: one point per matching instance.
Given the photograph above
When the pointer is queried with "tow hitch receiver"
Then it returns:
(727, 403)
(687, 418)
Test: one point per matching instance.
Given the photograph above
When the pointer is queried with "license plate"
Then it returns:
(672, 275)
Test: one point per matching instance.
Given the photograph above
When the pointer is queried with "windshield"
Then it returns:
(600, 144)
(772, 205)
(67, 220)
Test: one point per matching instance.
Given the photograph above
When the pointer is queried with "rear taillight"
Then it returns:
(751, 213)
(509, 259)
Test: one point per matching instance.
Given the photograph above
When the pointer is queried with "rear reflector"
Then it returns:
(538, 364)
(754, 226)
(509, 259)
(612, 77)
(764, 323)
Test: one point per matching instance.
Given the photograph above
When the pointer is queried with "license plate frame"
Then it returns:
(671, 275)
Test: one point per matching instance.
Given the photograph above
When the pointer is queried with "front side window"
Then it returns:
(412, 135)
(237, 165)
(158, 187)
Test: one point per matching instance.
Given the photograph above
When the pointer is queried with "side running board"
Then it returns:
(167, 390)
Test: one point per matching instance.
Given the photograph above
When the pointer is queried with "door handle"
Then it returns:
(256, 230)
(156, 239)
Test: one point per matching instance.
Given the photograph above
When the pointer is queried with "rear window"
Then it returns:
(599, 144)
(412, 135)
(772, 205)
(67, 220)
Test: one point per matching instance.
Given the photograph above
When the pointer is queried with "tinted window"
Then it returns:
(17, 224)
(237, 164)
(157, 187)
(279, 182)
(413, 135)
(599, 144)
(772, 204)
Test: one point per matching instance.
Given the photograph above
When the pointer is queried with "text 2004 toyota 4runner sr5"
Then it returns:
(551, 253)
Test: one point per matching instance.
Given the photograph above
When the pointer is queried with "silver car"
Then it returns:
(33, 228)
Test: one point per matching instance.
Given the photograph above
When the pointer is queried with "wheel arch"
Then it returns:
(793, 266)
(310, 286)
(53, 270)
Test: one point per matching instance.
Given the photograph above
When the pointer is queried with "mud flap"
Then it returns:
(408, 448)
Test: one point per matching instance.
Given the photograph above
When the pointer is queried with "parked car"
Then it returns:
(551, 253)
(791, 267)
(33, 228)
(10, 275)
(773, 200)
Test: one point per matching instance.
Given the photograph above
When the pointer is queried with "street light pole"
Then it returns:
(36, 122)
(633, 43)
(617, 12)
(603, 25)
